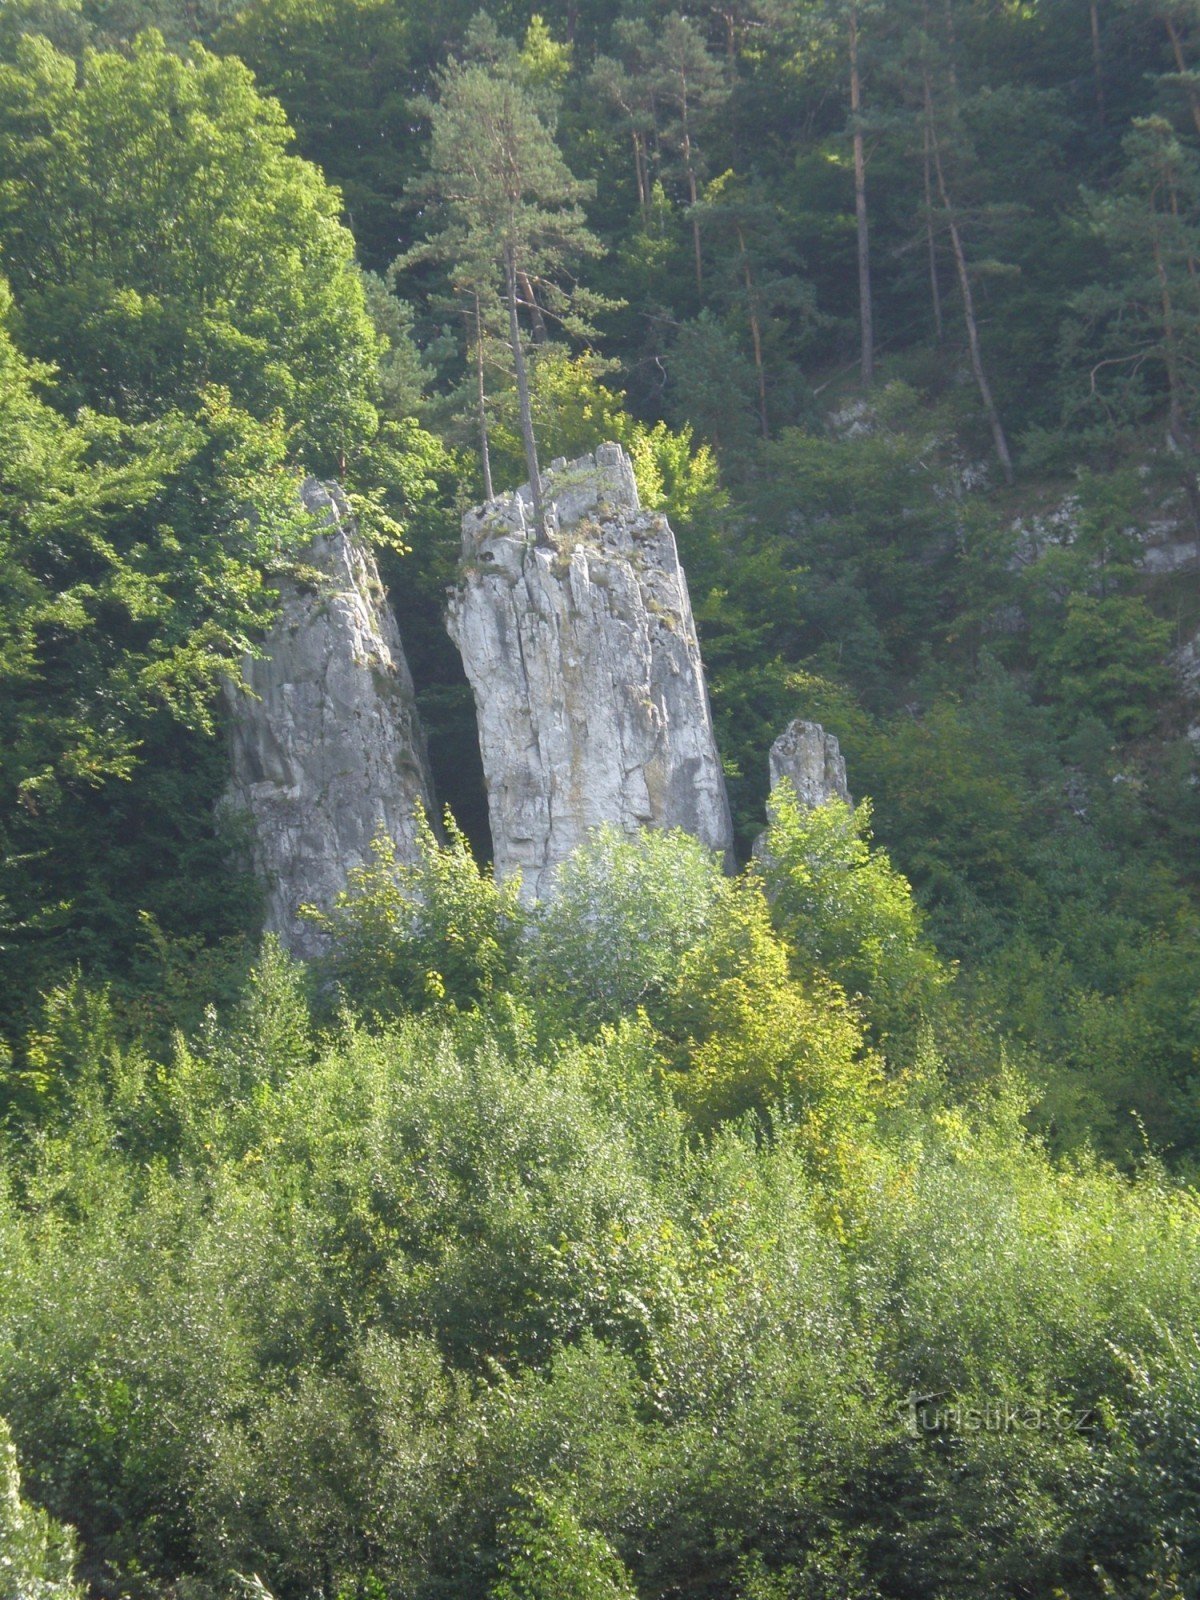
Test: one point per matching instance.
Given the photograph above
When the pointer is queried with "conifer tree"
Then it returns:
(509, 214)
(944, 134)
(690, 83)
(862, 223)
(620, 83)
(756, 273)
(1144, 322)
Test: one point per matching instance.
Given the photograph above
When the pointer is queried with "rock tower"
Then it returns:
(327, 747)
(583, 658)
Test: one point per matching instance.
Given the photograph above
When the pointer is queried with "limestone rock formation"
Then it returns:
(327, 747)
(586, 671)
(813, 760)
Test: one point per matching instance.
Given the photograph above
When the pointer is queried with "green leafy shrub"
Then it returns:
(622, 913)
(846, 911)
(549, 1555)
(440, 931)
(750, 1036)
(1108, 657)
(37, 1555)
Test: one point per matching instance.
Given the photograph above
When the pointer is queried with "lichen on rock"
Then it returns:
(586, 670)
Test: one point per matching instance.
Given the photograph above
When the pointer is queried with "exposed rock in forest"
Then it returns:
(813, 760)
(586, 671)
(327, 747)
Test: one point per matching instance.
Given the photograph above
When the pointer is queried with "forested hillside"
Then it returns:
(823, 1230)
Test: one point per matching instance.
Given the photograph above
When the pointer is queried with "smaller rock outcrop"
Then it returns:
(812, 759)
(583, 658)
(327, 747)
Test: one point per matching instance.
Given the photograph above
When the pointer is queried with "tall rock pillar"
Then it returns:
(586, 671)
(327, 747)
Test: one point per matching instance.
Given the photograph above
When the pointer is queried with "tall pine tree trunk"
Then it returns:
(639, 169)
(968, 300)
(694, 195)
(755, 333)
(536, 321)
(1097, 63)
(935, 288)
(865, 314)
(951, 46)
(523, 401)
(1175, 389)
(1179, 432)
(481, 402)
(935, 291)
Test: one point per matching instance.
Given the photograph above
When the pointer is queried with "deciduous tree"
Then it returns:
(159, 238)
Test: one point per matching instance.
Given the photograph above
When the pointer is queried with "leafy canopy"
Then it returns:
(186, 246)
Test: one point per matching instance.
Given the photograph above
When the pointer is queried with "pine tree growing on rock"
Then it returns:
(509, 214)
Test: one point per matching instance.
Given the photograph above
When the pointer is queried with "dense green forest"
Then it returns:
(822, 1232)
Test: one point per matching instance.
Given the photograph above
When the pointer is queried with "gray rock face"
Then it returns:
(1186, 661)
(813, 760)
(327, 748)
(586, 671)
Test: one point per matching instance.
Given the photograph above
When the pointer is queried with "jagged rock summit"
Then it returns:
(812, 759)
(812, 762)
(327, 747)
(583, 658)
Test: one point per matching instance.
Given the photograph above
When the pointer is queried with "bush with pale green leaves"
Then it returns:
(37, 1554)
(409, 935)
(845, 910)
(622, 914)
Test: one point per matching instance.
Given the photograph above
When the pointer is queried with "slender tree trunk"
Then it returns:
(860, 208)
(935, 291)
(951, 46)
(481, 400)
(639, 168)
(935, 288)
(968, 299)
(692, 191)
(1097, 65)
(755, 334)
(1170, 343)
(1173, 193)
(537, 321)
(693, 188)
(733, 121)
(523, 402)
(1181, 67)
